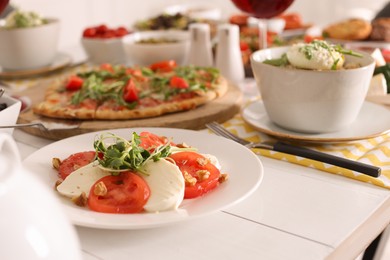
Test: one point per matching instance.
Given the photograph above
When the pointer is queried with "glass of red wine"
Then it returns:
(3, 5)
(262, 9)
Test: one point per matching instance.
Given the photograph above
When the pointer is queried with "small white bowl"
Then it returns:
(28, 48)
(311, 101)
(104, 50)
(147, 53)
(9, 115)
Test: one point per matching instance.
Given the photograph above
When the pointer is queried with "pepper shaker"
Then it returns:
(228, 55)
(200, 53)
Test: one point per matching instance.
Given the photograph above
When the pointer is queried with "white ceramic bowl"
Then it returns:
(311, 101)
(9, 115)
(26, 203)
(148, 53)
(28, 48)
(101, 50)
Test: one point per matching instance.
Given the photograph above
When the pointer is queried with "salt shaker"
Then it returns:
(228, 55)
(200, 53)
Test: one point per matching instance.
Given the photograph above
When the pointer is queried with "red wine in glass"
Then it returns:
(262, 8)
(3, 5)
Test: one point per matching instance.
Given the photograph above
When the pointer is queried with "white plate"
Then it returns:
(60, 61)
(373, 120)
(243, 167)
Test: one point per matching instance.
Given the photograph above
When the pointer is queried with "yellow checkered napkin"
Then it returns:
(374, 151)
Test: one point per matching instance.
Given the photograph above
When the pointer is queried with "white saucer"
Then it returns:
(60, 61)
(373, 120)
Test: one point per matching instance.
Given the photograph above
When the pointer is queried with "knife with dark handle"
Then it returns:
(367, 169)
(283, 147)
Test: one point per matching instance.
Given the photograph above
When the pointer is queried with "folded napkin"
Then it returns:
(374, 151)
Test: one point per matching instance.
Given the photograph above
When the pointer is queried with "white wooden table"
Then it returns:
(297, 213)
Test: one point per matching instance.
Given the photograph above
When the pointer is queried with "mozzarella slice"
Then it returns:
(166, 185)
(81, 180)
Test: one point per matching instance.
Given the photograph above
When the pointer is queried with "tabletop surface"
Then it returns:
(296, 213)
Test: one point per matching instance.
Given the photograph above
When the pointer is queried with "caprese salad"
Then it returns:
(145, 173)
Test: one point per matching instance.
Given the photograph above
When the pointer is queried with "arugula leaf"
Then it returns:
(280, 62)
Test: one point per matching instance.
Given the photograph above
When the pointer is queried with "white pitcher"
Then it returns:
(32, 223)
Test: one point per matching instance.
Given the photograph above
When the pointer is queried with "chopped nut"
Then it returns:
(183, 145)
(224, 177)
(56, 162)
(202, 161)
(81, 200)
(58, 182)
(100, 189)
(76, 166)
(189, 179)
(203, 174)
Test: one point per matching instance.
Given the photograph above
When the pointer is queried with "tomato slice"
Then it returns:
(149, 141)
(163, 66)
(75, 161)
(130, 92)
(74, 83)
(178, 82)
(126, 193)
(192, 163)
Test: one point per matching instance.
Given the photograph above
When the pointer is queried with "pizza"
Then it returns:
(119, 92)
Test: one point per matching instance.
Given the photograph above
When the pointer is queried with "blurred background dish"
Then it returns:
(103, 44)
(29, 47)
(147, 47)
(196, 11)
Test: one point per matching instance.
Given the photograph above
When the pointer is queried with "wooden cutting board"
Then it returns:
(219, 110)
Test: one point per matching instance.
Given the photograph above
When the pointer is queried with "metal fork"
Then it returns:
(46, 126)
(367, 169)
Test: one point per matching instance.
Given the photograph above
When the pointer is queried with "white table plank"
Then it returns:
(218, 236)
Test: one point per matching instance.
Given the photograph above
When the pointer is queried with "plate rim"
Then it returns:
(305, 139)
(67, 60)
(176, 218)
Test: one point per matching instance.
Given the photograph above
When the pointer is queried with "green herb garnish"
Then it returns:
(280, 62)
(116, 154)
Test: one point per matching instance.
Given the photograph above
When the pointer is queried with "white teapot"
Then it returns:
(32, 223)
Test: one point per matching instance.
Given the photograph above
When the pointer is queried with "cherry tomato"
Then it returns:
(105, 32)
(75, 161)
(244, 46)
(178, 82)
(130, 92)
(121, 31)
(89, 32)
(74, 83)
(126, 193)
(163, 66)
(192, 163)
(310, 38)
(107, 67)
(386, 54)
(101, 29)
